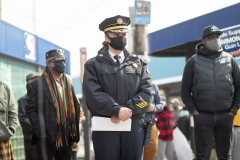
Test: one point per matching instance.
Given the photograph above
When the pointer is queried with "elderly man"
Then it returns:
(30, 150)
(59, 111)
(8, 122)
(211, 92)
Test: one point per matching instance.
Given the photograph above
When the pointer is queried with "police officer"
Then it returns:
(117, 85)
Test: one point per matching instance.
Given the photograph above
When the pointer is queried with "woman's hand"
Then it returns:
(115, 119)
(124, 113)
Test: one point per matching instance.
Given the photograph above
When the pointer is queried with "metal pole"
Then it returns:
(87, 122)
(139, 39)
(87, 133)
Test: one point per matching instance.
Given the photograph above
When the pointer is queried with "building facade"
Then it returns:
(20, 54)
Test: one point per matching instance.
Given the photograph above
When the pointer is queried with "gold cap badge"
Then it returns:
(100, 55)
(119, 21)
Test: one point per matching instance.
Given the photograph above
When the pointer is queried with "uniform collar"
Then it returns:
(103, 53)
(112, 54)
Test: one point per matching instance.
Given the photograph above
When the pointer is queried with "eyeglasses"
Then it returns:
(58, 60)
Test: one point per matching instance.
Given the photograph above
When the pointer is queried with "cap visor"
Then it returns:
(217, 32)
(119, 31)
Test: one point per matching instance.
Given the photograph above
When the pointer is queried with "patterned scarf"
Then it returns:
(62, 104)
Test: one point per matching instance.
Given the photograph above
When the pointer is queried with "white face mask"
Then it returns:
(213, 44)
(183, 113)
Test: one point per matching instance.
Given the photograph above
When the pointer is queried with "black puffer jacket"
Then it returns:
(108, 87)
(211, 82)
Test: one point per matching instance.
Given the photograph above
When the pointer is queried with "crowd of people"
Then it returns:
(118, 86)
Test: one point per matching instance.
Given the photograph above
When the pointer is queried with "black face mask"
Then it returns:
(118, 43)
(59, 67)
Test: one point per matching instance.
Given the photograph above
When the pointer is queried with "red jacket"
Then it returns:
(163, 124)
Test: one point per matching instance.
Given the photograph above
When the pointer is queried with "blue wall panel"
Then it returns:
(15, 42)
(160, 67)
(3, 46)
(12, 43)
(77, 85)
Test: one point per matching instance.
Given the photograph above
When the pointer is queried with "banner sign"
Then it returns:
(141, 14)
(230, 40)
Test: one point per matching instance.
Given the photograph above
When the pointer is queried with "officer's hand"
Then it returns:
(195, 113)
(151, 109)
(124, 113)
(115, 119)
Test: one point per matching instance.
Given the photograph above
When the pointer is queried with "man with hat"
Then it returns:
(211, 92)
(117, 86)
(52, 103)
(175, 104)
(30, 150)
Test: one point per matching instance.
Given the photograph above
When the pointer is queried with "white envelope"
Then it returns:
(105, 124)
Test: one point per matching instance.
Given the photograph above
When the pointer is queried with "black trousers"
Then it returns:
(110, 145)
(30, 150)
(207, 125)
(64, 153)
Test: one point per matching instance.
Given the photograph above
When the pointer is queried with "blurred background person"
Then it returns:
(183, 122)
(8, 123)
(165, 124)
(156, 107)
(175, 104)
(30, 150)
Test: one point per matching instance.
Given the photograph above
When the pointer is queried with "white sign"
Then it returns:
(30, 46)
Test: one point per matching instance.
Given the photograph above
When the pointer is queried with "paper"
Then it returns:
(105, 124)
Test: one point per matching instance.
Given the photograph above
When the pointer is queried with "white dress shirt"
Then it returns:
(121, 59)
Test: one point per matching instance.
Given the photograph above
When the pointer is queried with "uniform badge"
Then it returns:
(134, 55)
(100, 55)
(142, 105)
(135, 65)
(119, 21)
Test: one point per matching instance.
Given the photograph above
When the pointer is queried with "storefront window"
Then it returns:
(13, 73)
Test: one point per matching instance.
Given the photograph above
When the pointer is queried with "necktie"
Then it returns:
(117, 58)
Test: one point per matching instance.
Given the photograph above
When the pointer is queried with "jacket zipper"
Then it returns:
(214, 81)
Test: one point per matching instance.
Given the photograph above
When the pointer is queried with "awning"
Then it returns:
(181, 39)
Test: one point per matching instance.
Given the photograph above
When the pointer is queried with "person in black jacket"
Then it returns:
(30, 150)
(211, 92)
(117, 85)
(53, 110)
